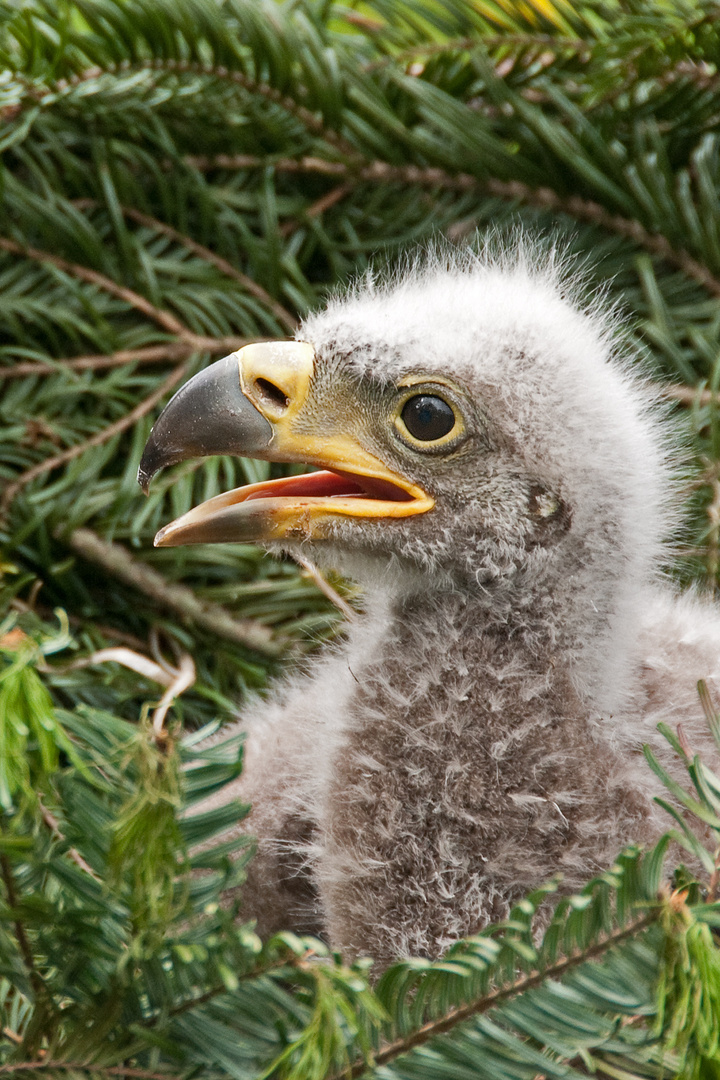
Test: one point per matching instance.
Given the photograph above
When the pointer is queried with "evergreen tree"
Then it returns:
(180, 177)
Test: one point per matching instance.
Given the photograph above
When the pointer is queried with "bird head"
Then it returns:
(467, 421)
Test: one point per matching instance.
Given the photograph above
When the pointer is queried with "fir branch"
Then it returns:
(118, 562)
(701, 74)
(305, 116)
(281, 313)
(150, 354)
(169, 65)
(22, 939)
(163, 318)
(54, 826)
(456, 1016)
(100, 437)
(278, 968)
(45, 1065)
(580, 49)
(541, 198)
(658, 46)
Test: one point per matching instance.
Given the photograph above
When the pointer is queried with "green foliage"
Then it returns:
(119, 949)
(181, 176)
(31, 738)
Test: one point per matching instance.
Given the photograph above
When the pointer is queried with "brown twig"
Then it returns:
(320, 206)
(72, 1066)
(163, 318)
(203, 163)
(324, 586)
(54, 825)
(22, 938)
(281, 313)
(178, 598)
(100, 437)
(582, 49)
(542, 198)
(150, 354)
(175, 678)
(456, 1016)
(688, 396)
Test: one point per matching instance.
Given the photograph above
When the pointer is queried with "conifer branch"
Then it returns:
(174, 66)
(701, 74)
(44, 1065)
(163, 318)
(23, 941)
(482, 1005)
(100, 437)
(118, 562)
(306, 117)
(581, 49)
(72, 852)
(151, 354)
(275, 967)
(225, 267)
(542, 198)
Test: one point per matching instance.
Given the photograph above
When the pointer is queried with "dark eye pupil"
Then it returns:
(427, 418)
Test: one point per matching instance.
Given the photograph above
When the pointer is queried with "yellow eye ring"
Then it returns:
(427, 417)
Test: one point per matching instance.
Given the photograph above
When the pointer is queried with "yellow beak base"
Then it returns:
(252, 403)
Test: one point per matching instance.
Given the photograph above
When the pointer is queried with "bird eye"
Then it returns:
(427, 418)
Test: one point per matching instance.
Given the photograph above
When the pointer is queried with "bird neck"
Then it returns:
(448, 649)
(556, 643)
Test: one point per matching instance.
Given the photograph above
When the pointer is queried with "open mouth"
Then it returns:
(326, 484)
(292, 506)
(250, 404)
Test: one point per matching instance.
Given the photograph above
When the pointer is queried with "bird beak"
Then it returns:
(257, 402)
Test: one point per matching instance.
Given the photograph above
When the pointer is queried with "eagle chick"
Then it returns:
(497, 479)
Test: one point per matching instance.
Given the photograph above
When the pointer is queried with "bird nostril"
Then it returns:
(271, 395)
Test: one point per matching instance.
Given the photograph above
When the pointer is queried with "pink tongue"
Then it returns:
(318, 484)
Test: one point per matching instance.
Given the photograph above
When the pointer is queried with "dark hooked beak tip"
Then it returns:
(208, 415)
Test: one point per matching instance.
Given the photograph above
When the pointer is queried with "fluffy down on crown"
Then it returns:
(563, 407)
